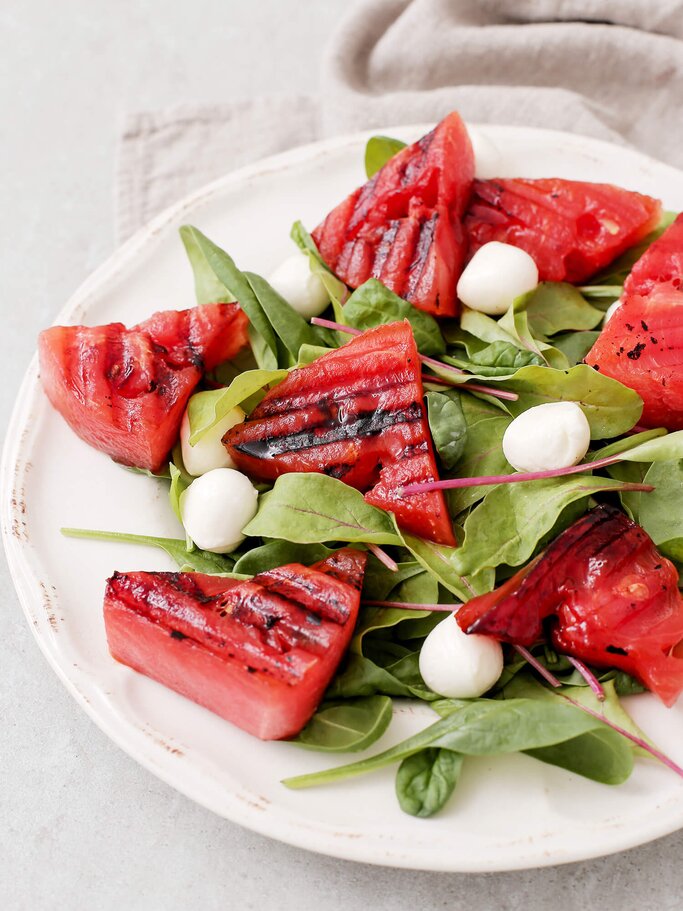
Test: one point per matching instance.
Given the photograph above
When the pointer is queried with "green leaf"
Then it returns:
(180, 481)
(206, 409)
(378, 151)
(661, 512)
(336, 289)
(199, 561)
(575, 345)
(209, 289)
(481, 727)
(499, 359)
(379, 580)
(601, 755)
(347, 726)
(556, 306)
(660, 448)
(448, 426)
(443, 563)
(309, 508)
(279, 553)
(361, 676)
(629, 442)
(372, 304)
(517, 323)
(617, 272)
(513, 518)
(610, 407)
(426, 780)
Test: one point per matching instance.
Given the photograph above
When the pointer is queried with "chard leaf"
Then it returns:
(378, 151)
(309, 508)
(508, 525)
(206, 409)
(426, 780)
(610, 407)
(448, 426)
(199, 561)
(347, 726)
(372, 304)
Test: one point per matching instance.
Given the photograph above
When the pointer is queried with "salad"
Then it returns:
(436, 456)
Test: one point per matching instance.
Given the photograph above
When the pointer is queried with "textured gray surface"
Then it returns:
(81, 825)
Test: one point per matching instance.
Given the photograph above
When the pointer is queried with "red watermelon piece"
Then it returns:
(571, 228)
(356, 414)
(403, 226)
(642, 344)
(259, 653)
(124, 391)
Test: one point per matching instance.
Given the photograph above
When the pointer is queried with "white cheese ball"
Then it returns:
(302, 289)
(208, 452)
(611, 310)
(554, 435)
(495, 276)
(487, 162)
(457, 665)
(216, 507)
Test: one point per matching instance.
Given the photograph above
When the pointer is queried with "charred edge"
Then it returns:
(616, 650)
(363, 424)
(422, 247)
(384, 248)
(277, 405)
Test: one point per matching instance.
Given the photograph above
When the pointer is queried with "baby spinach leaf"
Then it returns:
(448, 426)
(336, 289)
(556, 306)
(373, 304)
(361, 676)
(479, 727)
(378, 151)
(661, 512)
(278, 553)
(426, 780)
(209, 289)
(199, 561)
(516, 322)
(629, 442)
(180, 480)
(206, 409)
(601, 755)
(443, 563)
(575, 345)
(610, 407)
(508, 525)
(309, 508)
(499, 359)
(485, 328)
(660, 448)
(379, 580)
(348, 726)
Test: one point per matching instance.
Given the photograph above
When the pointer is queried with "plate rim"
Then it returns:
(31, 589)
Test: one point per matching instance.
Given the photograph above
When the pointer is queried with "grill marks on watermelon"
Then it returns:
(259, 653)
(356, 414)
(124, 391)
(571, 228)
(403, 226)
(642, 344)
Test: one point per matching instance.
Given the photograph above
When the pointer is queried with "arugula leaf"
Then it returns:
(508, 525)
(199, 561)
(373, 304)
(426, 780)
(309, 508)
(348, 726)
(206, 409)
(610, 407)
(378, 151)
(448, 426)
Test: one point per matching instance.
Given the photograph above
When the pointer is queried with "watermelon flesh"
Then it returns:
(124, 391)
(259, 653)
(403, 226)
(642, 344)
(357, 414)
(571, 228)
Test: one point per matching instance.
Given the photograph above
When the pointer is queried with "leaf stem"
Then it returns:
(409, 605)
(537, 666)
(383, 557)
(428, 362)
(589, 677)
(453, 483)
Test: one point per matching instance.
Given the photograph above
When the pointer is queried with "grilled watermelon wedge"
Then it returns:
(571, 228)
(124, 391)
(404, 225)
(356, 414)
(259, 653)
(642, 344)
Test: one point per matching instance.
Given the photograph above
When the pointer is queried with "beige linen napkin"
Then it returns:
(606, 68)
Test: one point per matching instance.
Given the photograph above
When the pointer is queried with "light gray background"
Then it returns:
(81, 825)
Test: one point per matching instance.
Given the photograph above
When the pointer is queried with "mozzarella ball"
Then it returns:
(611, 310)
(495, 276)
(208, 452)
(216, 507)
(554, 435)
(302, 289)
(458, 665)
(487, 162)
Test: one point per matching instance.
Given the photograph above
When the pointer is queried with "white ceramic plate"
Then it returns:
(509, 812)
